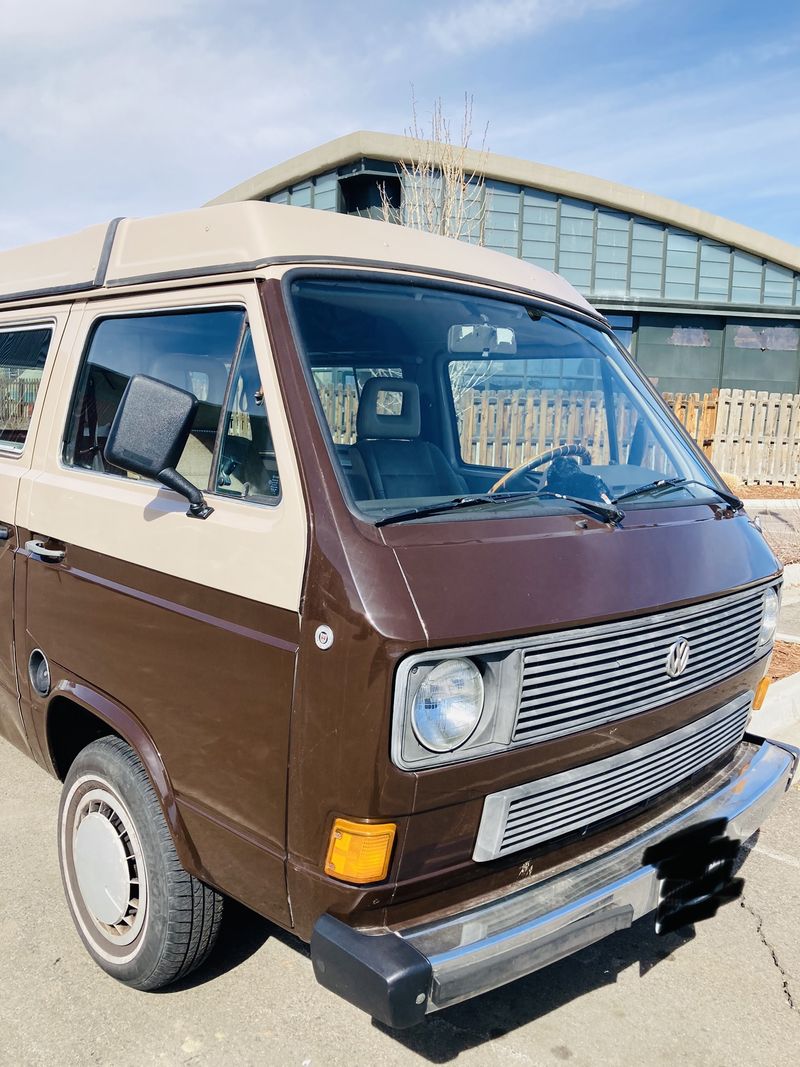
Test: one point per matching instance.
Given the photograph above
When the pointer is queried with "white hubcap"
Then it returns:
(105, 872)
(102, 868)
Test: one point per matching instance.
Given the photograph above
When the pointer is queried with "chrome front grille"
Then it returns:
(579, 679)
(551, 807)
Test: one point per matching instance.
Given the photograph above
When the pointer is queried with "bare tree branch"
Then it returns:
(439, 193)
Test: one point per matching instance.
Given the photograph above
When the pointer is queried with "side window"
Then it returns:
(193, 350)
(246, 467)
(22, 355)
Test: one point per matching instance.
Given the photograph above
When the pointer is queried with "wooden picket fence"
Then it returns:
(17, 398)
(752, 435)
(698, 414)
(503, 428)
(757, 436)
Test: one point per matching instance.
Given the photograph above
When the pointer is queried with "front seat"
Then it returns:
(395, 460)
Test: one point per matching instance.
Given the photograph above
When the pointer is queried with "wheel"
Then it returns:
(528, 465)
(142, 917)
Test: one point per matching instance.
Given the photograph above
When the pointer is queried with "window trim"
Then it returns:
(265, 501)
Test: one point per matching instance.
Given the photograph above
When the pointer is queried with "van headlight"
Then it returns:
(447, 706)
(769, 617)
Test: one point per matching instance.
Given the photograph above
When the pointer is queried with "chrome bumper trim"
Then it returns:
(502, 939)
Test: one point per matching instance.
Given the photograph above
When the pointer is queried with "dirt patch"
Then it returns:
(785, 544)
(768, 492)
(760, 492)
(782, 531)
(785, 660)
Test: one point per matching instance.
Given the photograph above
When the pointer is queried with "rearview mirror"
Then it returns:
(149, 433)
(482, 337)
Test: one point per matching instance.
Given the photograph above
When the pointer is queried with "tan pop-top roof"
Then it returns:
(239, 237)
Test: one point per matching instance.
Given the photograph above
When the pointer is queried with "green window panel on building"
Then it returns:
(651, 278)
(609, 253)
(502, 221)
(715, 272)
(603, 252)
(321, 192)
(698, 353)
(613, 241)
(762, 354)
(681, 353)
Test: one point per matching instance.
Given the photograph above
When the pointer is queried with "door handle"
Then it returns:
(52, 555)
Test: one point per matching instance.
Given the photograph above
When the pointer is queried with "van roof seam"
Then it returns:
(105, 253)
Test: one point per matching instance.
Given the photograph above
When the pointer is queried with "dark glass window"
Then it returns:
(22, 355)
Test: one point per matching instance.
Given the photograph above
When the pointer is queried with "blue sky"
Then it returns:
(137, 108)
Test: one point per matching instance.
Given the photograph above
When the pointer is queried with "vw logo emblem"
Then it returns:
(677, 658)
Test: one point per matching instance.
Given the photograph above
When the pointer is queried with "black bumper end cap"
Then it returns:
(379, 973)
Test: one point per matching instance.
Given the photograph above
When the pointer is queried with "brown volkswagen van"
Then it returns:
(359, 575)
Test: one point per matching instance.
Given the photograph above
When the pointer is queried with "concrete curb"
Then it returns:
(781, 504)
(779, 718)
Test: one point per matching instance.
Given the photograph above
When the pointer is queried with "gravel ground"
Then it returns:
(781, 527)
(766, 492)
(785, 660)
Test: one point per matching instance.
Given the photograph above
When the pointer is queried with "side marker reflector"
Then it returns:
(359, 852)
(761, 692)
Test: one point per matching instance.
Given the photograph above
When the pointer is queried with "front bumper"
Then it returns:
(399, 976)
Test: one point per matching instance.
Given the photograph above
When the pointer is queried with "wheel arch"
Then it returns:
(77, 715)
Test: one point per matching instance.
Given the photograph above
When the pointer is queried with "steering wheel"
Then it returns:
(537, 461)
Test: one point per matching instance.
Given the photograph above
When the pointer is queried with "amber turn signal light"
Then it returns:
(761, 692)
(359, 852)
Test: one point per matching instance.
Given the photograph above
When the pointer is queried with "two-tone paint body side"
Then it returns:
(181, 635)
(14, 466)
(389, 592)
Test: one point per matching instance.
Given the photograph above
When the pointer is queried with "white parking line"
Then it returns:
(780, 857)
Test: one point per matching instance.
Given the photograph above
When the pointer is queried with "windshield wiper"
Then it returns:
(666, 484)
(474, 501)
(608, 512)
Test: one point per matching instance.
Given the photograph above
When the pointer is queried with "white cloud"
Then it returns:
(725, 145)
(482, 24)
(133, 108)
(63, 22)
(158, 120)
(672, 134)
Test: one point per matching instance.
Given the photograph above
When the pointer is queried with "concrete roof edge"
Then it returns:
(393, 147)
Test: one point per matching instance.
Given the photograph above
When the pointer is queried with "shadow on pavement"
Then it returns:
(445, 1035)
(242, 935)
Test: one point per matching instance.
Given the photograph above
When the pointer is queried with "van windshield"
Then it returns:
(443, 401)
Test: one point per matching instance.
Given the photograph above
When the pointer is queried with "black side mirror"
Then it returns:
(149, 433)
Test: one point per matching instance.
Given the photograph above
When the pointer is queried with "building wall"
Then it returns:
(696, 314)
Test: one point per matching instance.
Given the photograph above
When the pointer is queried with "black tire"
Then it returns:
(142, 917)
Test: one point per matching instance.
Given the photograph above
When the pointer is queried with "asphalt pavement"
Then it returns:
(724, 993)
